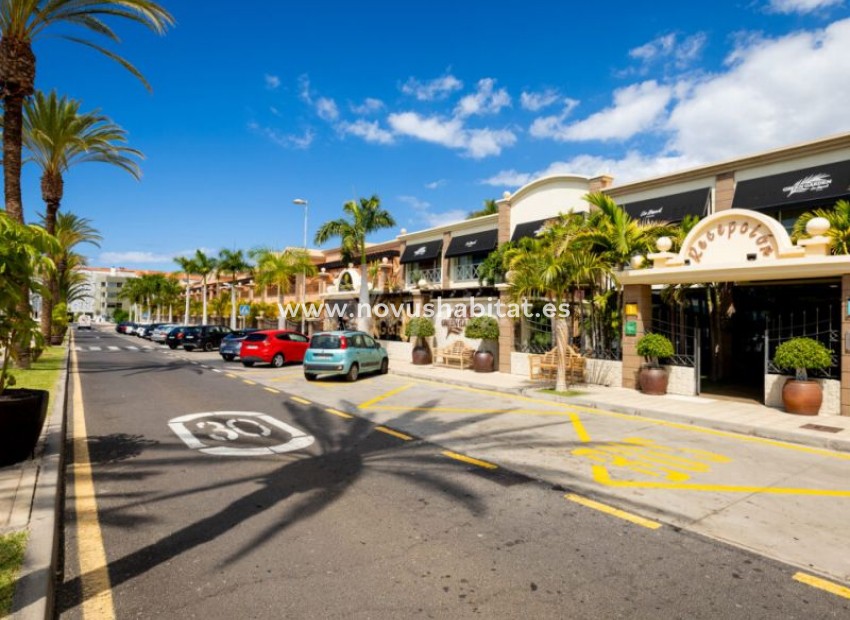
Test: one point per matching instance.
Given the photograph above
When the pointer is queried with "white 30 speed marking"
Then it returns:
(220, 432)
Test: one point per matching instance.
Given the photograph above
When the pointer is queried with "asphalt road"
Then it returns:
(360, 523)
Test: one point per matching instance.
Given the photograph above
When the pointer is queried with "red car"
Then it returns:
(273, 346)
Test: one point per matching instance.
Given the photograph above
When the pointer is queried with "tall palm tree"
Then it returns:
(169, 294)
(187, 264)
(364, 217)
(57, 136)
(71, 231)
(22, 22)
(204, 266)
(490, 208)
(278, 269)
(133, 291)
(234, 263)
(839, 226)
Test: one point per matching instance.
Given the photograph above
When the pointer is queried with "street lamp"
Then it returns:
(301, 201)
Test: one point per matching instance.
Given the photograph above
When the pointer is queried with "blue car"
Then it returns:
(232, 343)
(347, 353)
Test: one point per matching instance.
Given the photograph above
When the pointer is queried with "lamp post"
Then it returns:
(301, 201)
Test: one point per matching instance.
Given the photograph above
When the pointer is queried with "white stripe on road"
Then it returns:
(114, 348)
(95, 349)
(133, 348)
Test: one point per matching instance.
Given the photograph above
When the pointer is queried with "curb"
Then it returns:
(461, 383)
(34, 591)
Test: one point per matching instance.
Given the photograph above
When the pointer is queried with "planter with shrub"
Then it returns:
(653, 377)
(485, 328)
(802, 395)
(420, 328)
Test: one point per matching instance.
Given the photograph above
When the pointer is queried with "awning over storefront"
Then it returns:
(338, 264)
(671, 208)
(416, 252)
(528, 229)
(475, 243)
(820, 183)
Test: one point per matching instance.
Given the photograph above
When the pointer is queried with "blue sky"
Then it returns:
(434, 106)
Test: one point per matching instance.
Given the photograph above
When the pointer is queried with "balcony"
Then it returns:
(466, 273)
(431, 276)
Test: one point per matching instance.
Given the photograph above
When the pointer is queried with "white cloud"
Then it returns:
(326, 109)
(801, 6)
(282, 139)
(369, 131)
(432, 90)
(662, 46)
(485, 100)
(637, 108)
(304, 89)
(536, 101)
(451, 133)
(668, 51)
(436, 184)
(120, 259)
(369, 106)
(272, 81)
(424, 212)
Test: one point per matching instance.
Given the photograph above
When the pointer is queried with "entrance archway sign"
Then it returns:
(238, 433)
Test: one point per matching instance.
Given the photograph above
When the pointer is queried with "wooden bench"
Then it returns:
(455, 354)
(545, 367)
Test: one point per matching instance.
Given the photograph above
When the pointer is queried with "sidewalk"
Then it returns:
(725, 415)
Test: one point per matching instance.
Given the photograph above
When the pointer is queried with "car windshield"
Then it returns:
(324, 341)
(255, 337)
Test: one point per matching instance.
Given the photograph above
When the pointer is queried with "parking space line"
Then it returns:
(468, 410)
(339, 413)
(822, 584)
(247, 382)
(303, 401)
(468, 459)
(394, 433)
(215, 370)
(384, 396)
(272, 390)
(231, 375)
(616, 512)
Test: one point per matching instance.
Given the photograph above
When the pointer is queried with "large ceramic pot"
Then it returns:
(421, 356)
(483, 361)
(56, 339)
(802, 397)
(653, 381)
(22, 414)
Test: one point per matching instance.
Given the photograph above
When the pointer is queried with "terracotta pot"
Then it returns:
(56, 339)
(653, 381)
(22, 414)
(483, 361)
(802, 397)
(421, 356)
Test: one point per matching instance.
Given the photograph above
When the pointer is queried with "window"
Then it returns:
(284, 337)
(369, 342)
(297, 338)
(357, 341)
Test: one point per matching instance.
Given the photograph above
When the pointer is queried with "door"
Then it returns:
(297, 346)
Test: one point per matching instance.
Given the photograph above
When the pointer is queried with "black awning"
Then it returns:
(529, 229)
(671, 208)
(820, 183)
(339, 264)
(475, 243)
(416, 252)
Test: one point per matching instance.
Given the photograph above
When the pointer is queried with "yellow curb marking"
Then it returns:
(247, 382)
(231, 375)
(341, 414)
(616, 512)
(469, 459)
(272, 390)
(281, 379)
(383, 396)
(823, 584)
(468, 410)
(301, 400)
(393, 432)
(94, 574)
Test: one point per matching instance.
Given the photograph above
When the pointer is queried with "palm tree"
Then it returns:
(71, 231)
(364, 217)
(204, 266)
(490, 208)
(133, 291)
(169, 294)
(839, 226)
(57, 136)
(22, 22)
(279, 268)
(234, 263)
(187, 264)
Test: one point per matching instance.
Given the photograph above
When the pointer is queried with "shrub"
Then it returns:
(483, 327)
(802, 354)
(419, 327)
(654, 347)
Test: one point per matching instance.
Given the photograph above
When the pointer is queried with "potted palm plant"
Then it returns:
(487, 329)
(420, 328)
(802, 395)
(653, 376)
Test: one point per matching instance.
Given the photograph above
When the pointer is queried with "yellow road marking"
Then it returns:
(578, 427)
(281, 379)
(303, 401)
(341, 414)
(469, 459)
(247, 382)
(231, 375)
(383, 396)
(610, 510)
(272, 390)
(394, 433)
(94, 575)
(468, 410)
(823, 584)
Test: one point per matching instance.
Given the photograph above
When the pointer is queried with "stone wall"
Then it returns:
(682, 380)
(604, 372)
(396, 350)
(831, 393)
(519, 364)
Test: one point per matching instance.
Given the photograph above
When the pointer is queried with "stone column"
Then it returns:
(506, 332)
(445, 262)
(641, 295)
(504, 225)
(597, 184)
(845, 356)
(724, 191)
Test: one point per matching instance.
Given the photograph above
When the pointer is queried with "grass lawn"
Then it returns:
(11, 556)
(44, 372)
(567, 393)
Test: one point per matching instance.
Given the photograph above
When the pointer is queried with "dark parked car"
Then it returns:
(123, 326)
(273, 346)
(148, 330)
(206, 337)
(175, 337)
(231, 343)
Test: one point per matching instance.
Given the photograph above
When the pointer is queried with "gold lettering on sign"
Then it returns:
(727, 230)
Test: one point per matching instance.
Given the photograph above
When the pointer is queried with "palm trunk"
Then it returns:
(204, 314)
(561, 337)
(188, 284)
(281, 321)
(233, 303)
(364, 319)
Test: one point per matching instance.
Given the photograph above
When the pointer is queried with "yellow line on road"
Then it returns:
(247, 382)
(231, 375)
(468, 459)
(341, 414)
(394, 433)
(467, 410)
(94, 574)
(385, 395)
(610, 510)
(303, 401)
(272, 390)
(823, 584)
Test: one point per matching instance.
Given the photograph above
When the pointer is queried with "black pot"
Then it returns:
(421, 356)
(483, 361)
(22, 414)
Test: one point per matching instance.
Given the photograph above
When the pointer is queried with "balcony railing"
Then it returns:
(431, 276)
(465, 273)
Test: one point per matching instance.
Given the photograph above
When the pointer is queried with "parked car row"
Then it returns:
(343, 353)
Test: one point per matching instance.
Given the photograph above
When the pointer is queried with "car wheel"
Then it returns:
(172, 346)
(353, 373)
(385, 366)
(208, 346)
(277, 360)
(309, 376)
(228, 358)
(247, 364)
